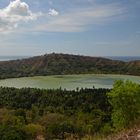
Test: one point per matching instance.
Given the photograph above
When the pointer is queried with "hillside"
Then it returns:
(57, 64)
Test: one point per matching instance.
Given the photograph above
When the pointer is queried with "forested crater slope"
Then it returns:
(58, 64)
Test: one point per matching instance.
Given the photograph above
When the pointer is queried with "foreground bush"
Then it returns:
(125, 101)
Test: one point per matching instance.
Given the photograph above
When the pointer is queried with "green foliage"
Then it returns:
(33, 130)
(106, 129)
(13, 121)
(59, 130)
(125, 100)
(11, 133)
(54, 113)
(28, 113)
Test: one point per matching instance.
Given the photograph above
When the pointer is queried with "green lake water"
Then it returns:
(67, 81)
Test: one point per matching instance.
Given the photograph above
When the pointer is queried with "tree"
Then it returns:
(33, 130)
(125, 100)
(11, 133)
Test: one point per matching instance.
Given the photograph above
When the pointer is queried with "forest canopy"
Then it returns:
(59, 114)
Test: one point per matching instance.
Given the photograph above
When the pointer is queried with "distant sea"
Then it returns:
(122, 58)
(7, 58)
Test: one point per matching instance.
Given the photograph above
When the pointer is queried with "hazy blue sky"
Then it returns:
(88, 27)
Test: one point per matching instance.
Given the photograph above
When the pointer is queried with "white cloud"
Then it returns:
(18, 8)
(74, 20)
(15, 13)
(53, 12)
(80, 19)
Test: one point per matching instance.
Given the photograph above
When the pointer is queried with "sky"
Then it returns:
(81, 27)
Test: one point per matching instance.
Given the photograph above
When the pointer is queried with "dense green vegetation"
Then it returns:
(125, 100)
(27, 113)
(57, 64)
(55, 113)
